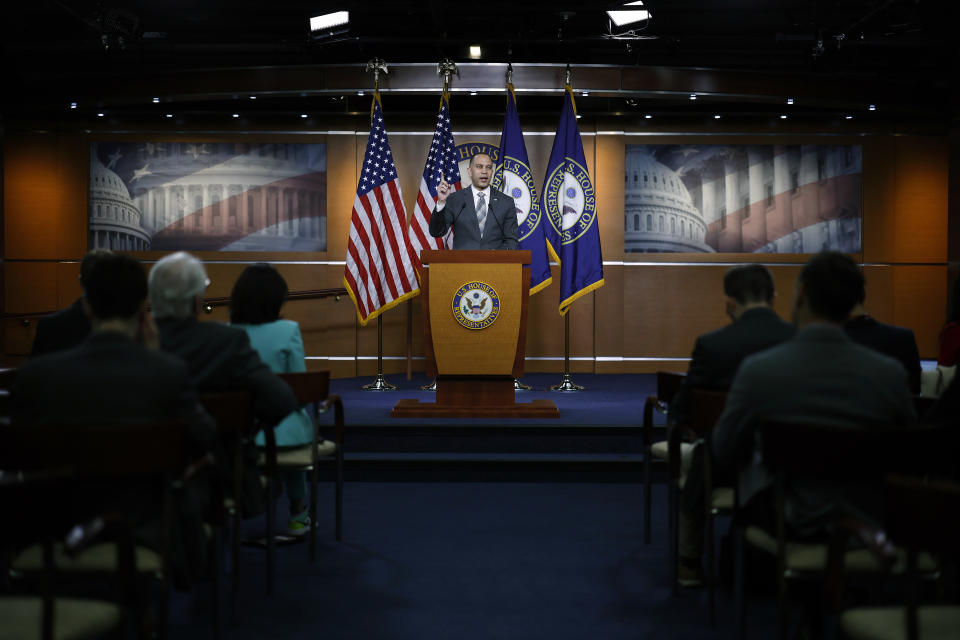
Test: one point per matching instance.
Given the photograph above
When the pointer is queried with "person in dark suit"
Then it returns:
(897, 342)
(68, 327)
(755, 326)
(118, 375)
(219, 357)
(482, 217)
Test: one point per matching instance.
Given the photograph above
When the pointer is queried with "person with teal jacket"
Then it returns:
(255, 304)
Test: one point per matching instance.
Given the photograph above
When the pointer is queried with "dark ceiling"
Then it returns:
(54, 51)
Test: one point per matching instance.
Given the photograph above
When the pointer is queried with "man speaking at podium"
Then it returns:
(481, 216)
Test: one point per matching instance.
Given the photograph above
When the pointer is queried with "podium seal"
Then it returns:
(476, 305)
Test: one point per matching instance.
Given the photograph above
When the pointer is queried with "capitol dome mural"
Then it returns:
(659, 214)
(115, 221)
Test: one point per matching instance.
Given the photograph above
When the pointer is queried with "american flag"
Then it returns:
(379, 273)
(441, 163)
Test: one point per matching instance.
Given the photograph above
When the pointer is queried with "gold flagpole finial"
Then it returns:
(567, 75)
(447, 68)
(509, 73)
(377, 65)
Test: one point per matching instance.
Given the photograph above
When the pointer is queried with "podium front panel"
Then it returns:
(489, 349)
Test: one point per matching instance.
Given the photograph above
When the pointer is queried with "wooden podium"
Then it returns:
(475, 329)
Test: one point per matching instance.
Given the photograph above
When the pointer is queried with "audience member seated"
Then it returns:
(819, 376)
(218, 356)
(950, 334)
(255, 304)
(896, 342)
(68, 327)
(118, 375)
(754, 327)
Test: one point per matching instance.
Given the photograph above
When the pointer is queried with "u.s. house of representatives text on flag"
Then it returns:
(379, 273)
(441, 165)
(569, 205)
(514, 177)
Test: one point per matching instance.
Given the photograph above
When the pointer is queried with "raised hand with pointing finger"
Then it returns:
(443, 190)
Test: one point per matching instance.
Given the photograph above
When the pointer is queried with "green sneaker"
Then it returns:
(299, 525)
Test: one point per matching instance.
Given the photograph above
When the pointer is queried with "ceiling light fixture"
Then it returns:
(328, 22)
(585, 93)
(789, 100)
(73, 105)
(156, 101)
(169, 115)
(873, 107)
(236, 115)
(848, 117)
(99, 115)
(359, 93)
(475, 51)
(303, 115)
(716, 116)
(693, 96)
(783, 116)
(253, 97)
(630, 16)
(648, 116)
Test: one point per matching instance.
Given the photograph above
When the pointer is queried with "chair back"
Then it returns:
(308, 386)
(668, 383)
(97, 450)
(705, 409)
(923, 515)
(231, 410)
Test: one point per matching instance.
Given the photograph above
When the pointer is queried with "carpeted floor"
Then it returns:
(473, 560)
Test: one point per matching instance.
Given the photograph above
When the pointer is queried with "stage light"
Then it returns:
(789, 100)
(329, 21)
(693, 96)
(475, 51)
(630, 16)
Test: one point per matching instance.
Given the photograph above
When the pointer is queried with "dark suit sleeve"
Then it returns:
(201, 428)
(511, 234)
(40, 339)
(272, 398)
(440, 221)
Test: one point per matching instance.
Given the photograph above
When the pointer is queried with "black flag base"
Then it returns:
(519, 386)
(430, 387)
(380, 384)
(567, 384)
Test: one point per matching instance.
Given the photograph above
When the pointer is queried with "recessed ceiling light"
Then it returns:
(475, 51)
(579, 116)
(783, 116)
(585, 93)
(99, 115)
(169, 115)
(73, 105)
(693, 96)
(848, 117)
(789, 100)
(156, 101)
(303, 115)
(473, 93)
(873, 107)
(359, 93)
(716, 116)
(647, 116)
(253, 97)
(236, 115)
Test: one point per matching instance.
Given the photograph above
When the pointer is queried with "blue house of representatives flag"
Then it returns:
(569, 206)
(514, 177)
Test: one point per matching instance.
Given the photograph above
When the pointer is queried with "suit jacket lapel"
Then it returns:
(471, 209)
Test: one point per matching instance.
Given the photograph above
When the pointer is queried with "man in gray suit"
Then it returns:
(481, 216)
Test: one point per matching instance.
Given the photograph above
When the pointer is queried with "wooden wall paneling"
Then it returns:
(920, 304)
(35, 196)
(68, 283)
(30, 287)
(784, 282)
(73, 222)
(609, 321)
(608, 180)
(880, 296)
(341, 190)
(920, 199)
(879, 184)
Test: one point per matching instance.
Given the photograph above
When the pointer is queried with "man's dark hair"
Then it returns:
(116, 287)
(481, 153)
(749, 283)
(86, 265)
(833, 284)
(257, 295)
